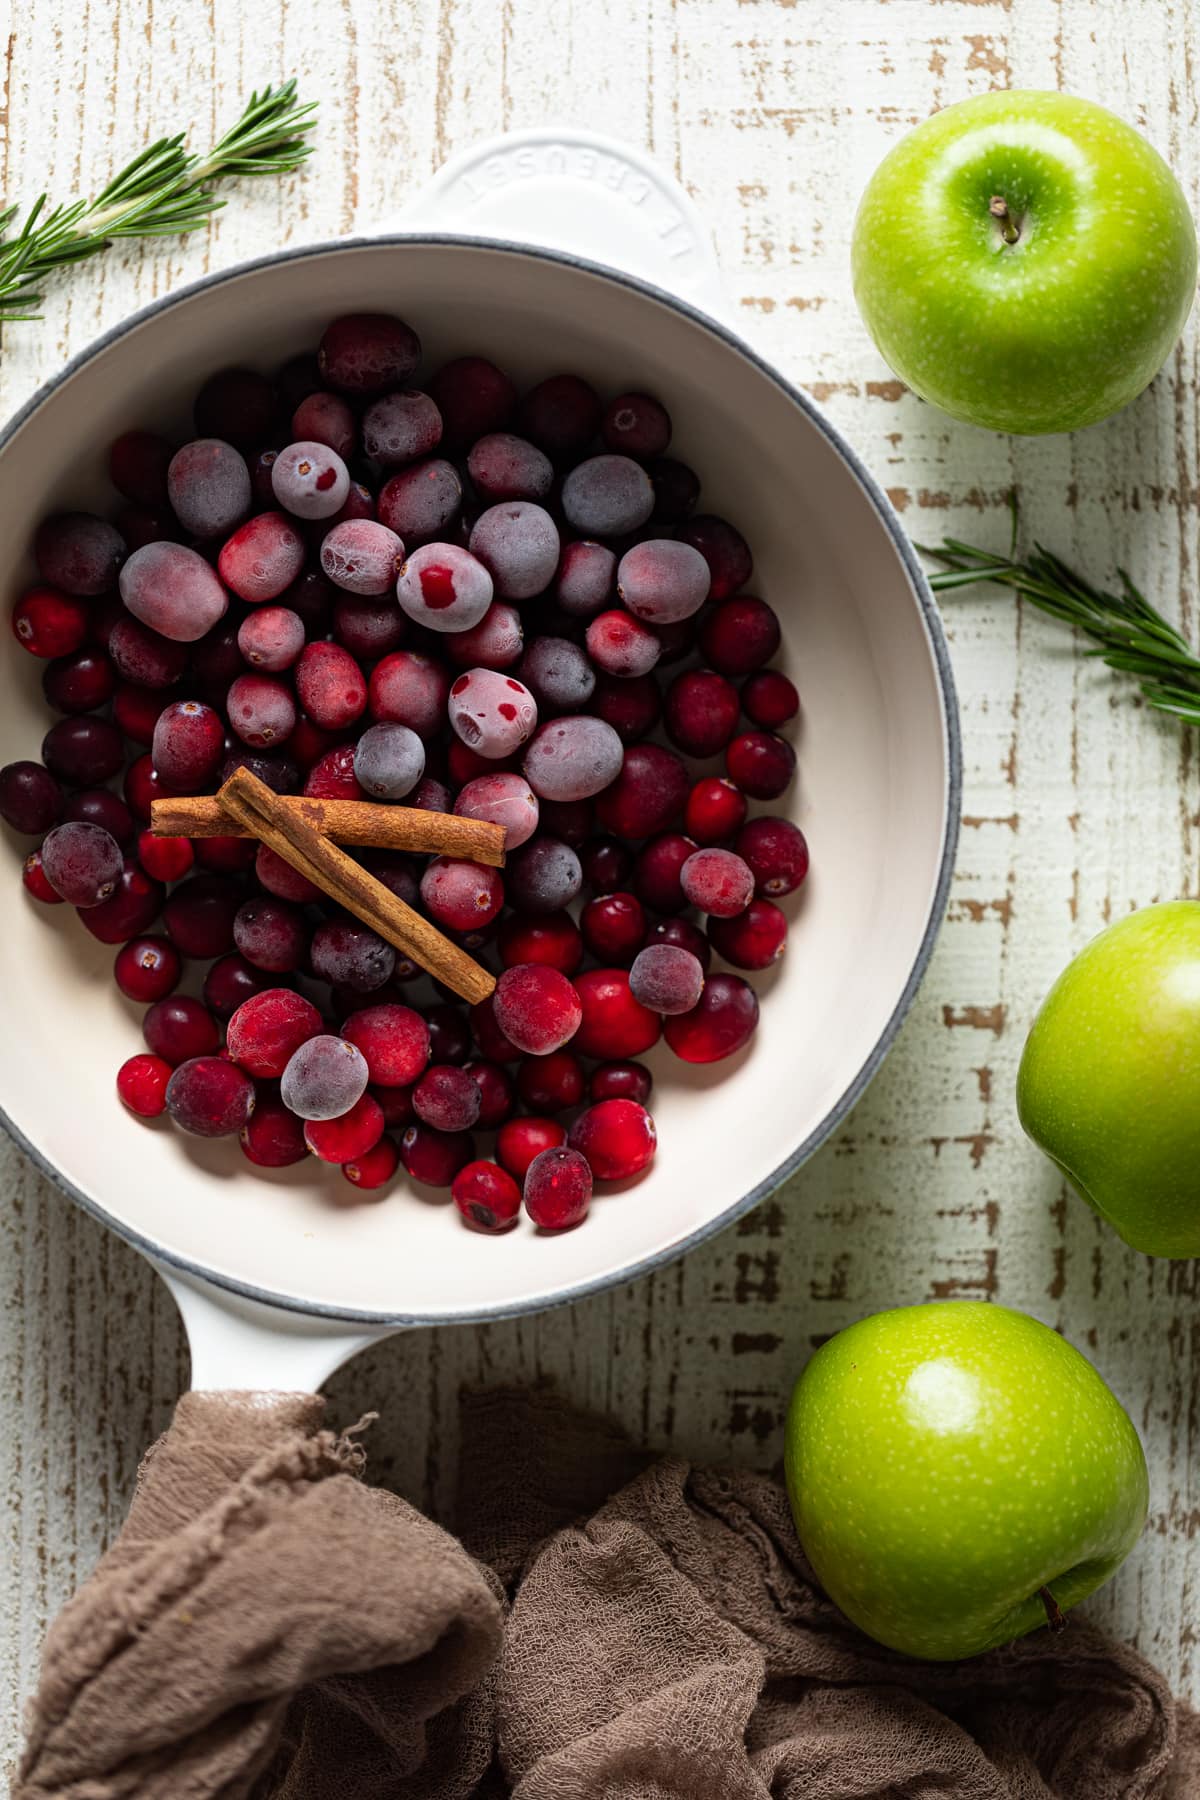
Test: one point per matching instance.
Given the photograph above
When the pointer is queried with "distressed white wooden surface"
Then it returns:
(773, 112)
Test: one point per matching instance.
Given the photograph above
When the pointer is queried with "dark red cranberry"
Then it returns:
(272, 1137)
(210, 1097)
(656, 878)
(137, 710)
(551, 1084)
(676, 640)
(364, 353)
(271, 934)
(518, 1141)
(720, 1024)
(613, 926)
(561, 415)
(725, 550)
(79, 553)
(353, 1134)
(607, 864)
(280, 773)
(570, 821)
(620, 1081)
(332, 776)
(137, 466)
(434, 1157)
(31, 801)
(739, 635)
(147, 968)
(636, 425)
(47, 623)
(754, 939)
(493, 1043)
(676, 489)
(130, 911)
(215, 659)
(178, 1028)
(684, 935)
(558, 1189)
(552, 938)
(79, 683)
(777, 853)
(447, 1097)
(100, 806)
(323, 418)
(225, 855)
(376, 1168)
(142, 786)
(615, 1025)
(229, 982)
(647, 796)
(715, 810)
(616, 1137)
(487, 1196)
(237, 405)
(449, 1034)
(761, 764)
(33, 878)
(187, 745)
(770, 699)
(701, 712)
(199, 915)
(396, 1105)
(496, 1093)
(142, 1085)
(299, 377)
(141, 525)
(368, 627)
(473, 397)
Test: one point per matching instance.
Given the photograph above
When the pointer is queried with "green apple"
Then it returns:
(1025, 260)
(1109, 1083)
(959, 1475)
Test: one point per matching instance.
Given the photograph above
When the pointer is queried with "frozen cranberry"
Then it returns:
(558, 1189)
(676, 489)
(573, 758)
(210, 1097)
(330, 686)
(487, 1196)
(444, 588)
(130, 911)
(754, 939)
(352, 1134)
(543, 876)
(724, 1019)
(178, 1028)
(137, 465)
(491, 712)
(739, 635)
(230, 981)
(518, 544)
(262, 711)
(715, 810)
(701, 712)
(621, 645)
(558, 674)
(144, 656)
(770, 699)
(142, 1085)
(647, 796)
(502, 799)
(47, 623)
(361, 556)
(31, 801)
(724, 550)
(199, 915)
(636, 425)
(394, 1040)
(536, 1008)
(147, 968)
(323, 1077)
(551, 1084)
(607, 496)
(616, 1137)
(332, 776)
(310, 481)
(237, 404)
(271, 935)
(188, 743)
(262, 558)
(614, 1024)
(208, 485)
(84, 752)
(166, 858)
(363, 353)
(718, 882)
(78, 553)
(667, 979)
(761, 764)
(662, 582)
(399, 427)
(33, 877)
(271, 639)
(632, 706)
(376, 1168)
(447, 1097)
(326, 419)
(518, 1141)
(79, 683)
(225, 855)
(685, 935)
(272, 1137)
(461, 895)
(497, 642)
(412, 689)
(586, 580)
(434, 1157)
(348, 954)
(613, 926)
(505, 467)
(137, 710)
(552, 939)
(656, 880)
(620, 1081)
(418, 503)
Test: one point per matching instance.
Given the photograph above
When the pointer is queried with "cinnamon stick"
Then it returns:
(346, 822)
(270, 818)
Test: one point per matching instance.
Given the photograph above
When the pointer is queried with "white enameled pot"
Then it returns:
(277, 1282)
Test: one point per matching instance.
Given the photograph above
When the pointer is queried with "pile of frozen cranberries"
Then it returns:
(466, 600)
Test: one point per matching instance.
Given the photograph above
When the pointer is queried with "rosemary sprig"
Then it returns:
(165, 190)
(1129, 634)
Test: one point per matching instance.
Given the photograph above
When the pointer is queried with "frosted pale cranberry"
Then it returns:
(398, 428)
(497, 1096)
(78, 553)
(720, 1024)
(261, 710)
(444, 587)
(666, 978)
(636, 425)
(497, 642)
(558, 1189)
(132, 909)
(173, 590)
(447, 1097)
(518, 1141)
(558, 674)
(330, 686)
(326, 419)
(323, 1078)
(607, 496)
(552, 1083)
(412, 689)
(518, 544)
(33, 878)
(740, 635)
(272, 1137)
(491, 712)
(32, 801)
(614, 1024)
(487, 1196)
(147, 968)
(724, 549)
(502, 799)
(362, 556)
(310, 481)
(47, 623)
(231, 981)
(418, 503)
(352, 1134)
(137, 465)
(715, 810)
(553, 939)
(620, 1081)
(718, 882)
(461, 895)
(434, 1157)
(271, 639)
(389, 760)
(662, 581)
(586, 580)
(616, 1137)
(613, 926)
(199, 915)
(332, 776)
(210, 1097)
(537, 1008)
(761, 764)
(208, 485)
(262, 558)
(394, 1041)
(166, 858)
(573, 758)
(621, 645)
(755, 939)
(266, 1030)
(701, 712)
(505, 467)
(631, 705)
(350, 955)
(647, 796)
(474, 397)
(543, 876)
(178, 1028)
(376, 1168)
(656, 879)
(144, 656)
(142, 1085)
(770, 699)
(362, 353)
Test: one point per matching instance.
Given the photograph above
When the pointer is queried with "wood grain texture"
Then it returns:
(1078, 806)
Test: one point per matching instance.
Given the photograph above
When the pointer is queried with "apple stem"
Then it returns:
(1010, 231)
(1054, 1616)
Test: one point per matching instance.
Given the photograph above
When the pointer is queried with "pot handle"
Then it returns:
(578, 192)
(247, 1346)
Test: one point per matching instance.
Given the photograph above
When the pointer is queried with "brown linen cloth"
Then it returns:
(267, 1627)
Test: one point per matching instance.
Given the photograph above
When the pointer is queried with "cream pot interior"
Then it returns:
(877, 795)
